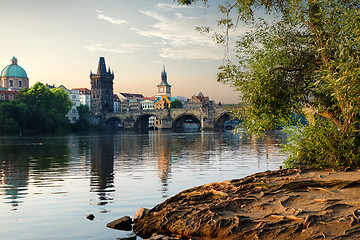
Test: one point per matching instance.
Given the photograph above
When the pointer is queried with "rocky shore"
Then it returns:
(284, 204)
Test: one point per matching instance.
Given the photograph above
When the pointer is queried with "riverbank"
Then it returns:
(284, 204)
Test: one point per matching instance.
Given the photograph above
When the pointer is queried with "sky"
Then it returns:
(60, 42)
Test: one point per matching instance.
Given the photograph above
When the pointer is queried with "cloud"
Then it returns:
(192, 52)
(121, 48)
(109, 19)
(166, 6)
(176, 36)
(174, 33)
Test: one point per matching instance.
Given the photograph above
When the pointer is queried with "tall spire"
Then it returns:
(164, 75)
(164, 78)
(101, 67)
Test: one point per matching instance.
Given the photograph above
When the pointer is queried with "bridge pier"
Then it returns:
(207, 118)
(166, 123)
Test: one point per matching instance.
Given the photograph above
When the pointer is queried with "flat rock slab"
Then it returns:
(123, 223)
(284, 204)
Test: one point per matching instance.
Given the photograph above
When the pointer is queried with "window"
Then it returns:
(3, 96)
(11, 83)
(73, 96)
(74, 110)
(20, 83)
(11, 97)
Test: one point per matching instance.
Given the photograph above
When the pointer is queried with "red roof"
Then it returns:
(83, 90)
(149, 98)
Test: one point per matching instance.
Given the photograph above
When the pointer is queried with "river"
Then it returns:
(49, 184)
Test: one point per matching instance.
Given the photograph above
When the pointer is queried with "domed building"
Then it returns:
(14, 77)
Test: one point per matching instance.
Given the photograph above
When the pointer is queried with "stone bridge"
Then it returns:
(208, 117)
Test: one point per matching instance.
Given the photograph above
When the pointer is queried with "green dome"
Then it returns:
(13, 70)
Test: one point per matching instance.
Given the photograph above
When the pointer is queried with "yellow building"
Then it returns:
(162, 103)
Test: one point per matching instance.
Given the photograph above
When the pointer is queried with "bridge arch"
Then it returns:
(114, 122)
(142, 122)
(179, 120)
(220, 120)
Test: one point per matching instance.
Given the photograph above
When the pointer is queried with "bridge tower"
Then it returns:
(102, 89)
(163, 87)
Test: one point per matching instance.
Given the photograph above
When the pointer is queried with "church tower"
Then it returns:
(164, 88)
(102, 89)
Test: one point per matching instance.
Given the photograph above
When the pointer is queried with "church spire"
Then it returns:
(164, 75)
(164, 78)
(164, 88)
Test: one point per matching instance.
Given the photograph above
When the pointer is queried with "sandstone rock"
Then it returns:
(160, 237)
(128, 238)
(285, 204)
(90, 217)
(123, 223)
(140, 213)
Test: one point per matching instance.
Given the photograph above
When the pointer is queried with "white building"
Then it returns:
(117, 104)
(148, 104)
(85, 96)
(74, 96)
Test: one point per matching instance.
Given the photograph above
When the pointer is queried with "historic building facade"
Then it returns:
(74, 96)
(102, 89)
(199, 101)
(13, 77)
(6, 95)
(85, 96)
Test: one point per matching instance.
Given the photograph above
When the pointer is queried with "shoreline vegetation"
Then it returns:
(283, 204)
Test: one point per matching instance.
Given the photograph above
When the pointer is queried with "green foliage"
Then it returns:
(308, 63)
(83, 123)
(47, 108)
(38, 109)
(176, 104)
(322, 146)
(12, 117)
(272, 75)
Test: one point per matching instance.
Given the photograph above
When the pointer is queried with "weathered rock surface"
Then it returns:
(141, 213)
(123, 223)
(284, 204)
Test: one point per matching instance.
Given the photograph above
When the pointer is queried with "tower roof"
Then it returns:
(164, 79)
(13, 70)
(101, 70)
(101, 66)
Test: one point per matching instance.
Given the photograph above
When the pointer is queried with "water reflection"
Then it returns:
(163, 149)
(22, 158)
(45, 163)
(102, 168)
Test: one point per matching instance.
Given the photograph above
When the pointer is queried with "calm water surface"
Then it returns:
(48, 184)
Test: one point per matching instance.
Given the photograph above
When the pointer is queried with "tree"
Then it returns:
(8, 114)
(306, 62)
(46, 107)
(83, 123)
(176, 104)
